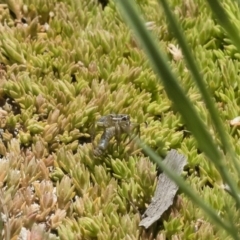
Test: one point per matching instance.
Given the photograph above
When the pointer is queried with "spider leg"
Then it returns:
(132, 127)
(118, 134)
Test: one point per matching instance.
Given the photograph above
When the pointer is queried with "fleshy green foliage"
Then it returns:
(66, 63)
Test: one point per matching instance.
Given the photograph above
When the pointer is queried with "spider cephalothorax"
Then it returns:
(113, 125)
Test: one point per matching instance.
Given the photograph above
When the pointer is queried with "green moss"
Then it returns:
(71, 62)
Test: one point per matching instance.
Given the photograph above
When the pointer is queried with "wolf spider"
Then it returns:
(113, 125)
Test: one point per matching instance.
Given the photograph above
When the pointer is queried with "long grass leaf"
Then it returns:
(230, 228)
(175, 92)
(224, 20)
(224, 137)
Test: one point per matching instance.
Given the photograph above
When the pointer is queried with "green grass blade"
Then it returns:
(224, 20)
(231, 229)
(224, 137)
(175, 92)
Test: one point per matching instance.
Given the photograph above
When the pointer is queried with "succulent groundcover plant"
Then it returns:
(64, 65)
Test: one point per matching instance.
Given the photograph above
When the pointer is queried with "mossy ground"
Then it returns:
(66, 63)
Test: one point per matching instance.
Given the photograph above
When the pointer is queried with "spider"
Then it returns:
(113, 125)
